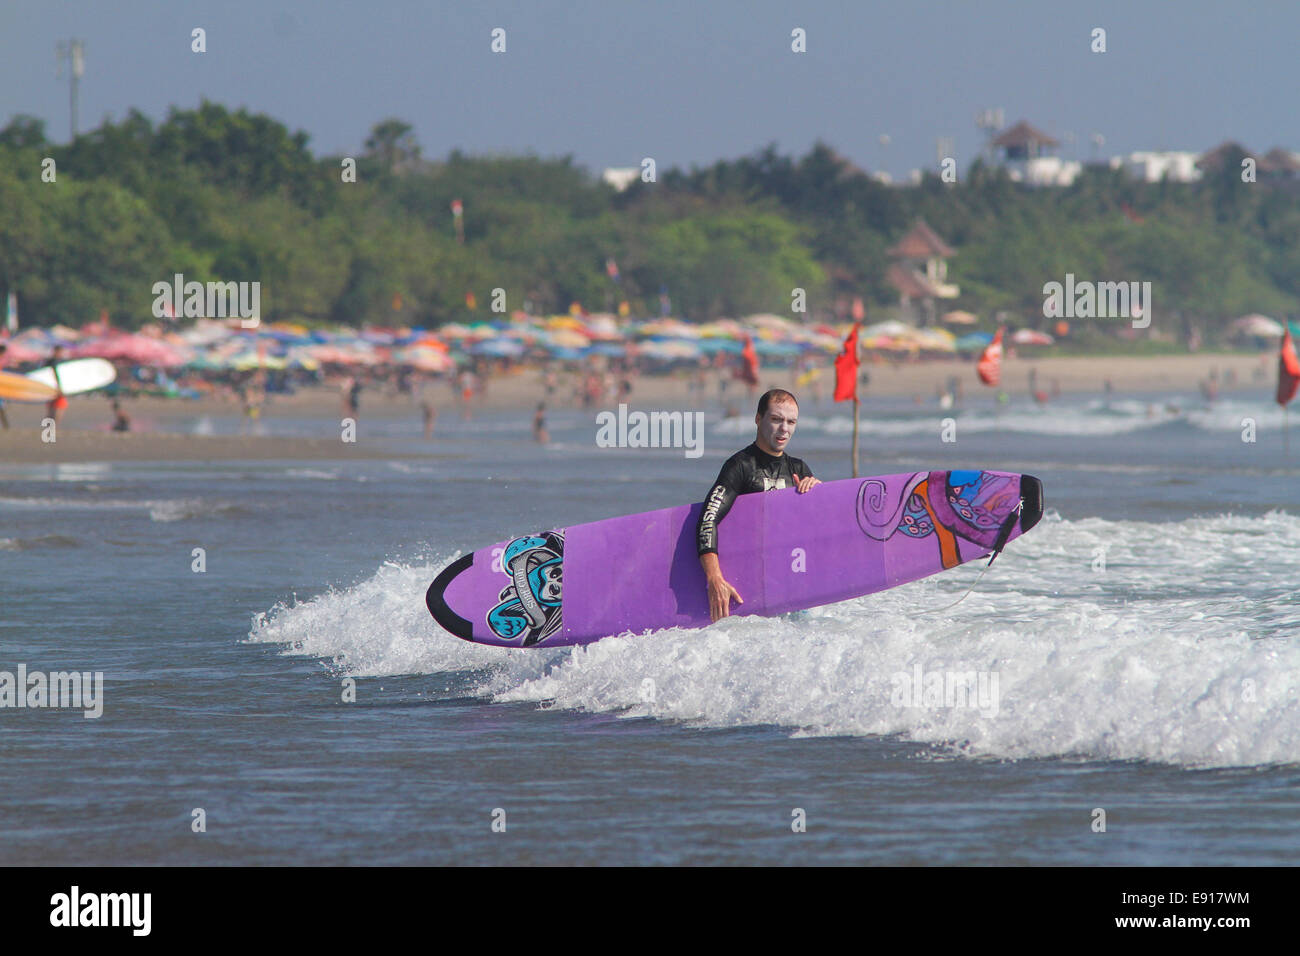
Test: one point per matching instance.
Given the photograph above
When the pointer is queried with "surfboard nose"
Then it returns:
(1031, 490)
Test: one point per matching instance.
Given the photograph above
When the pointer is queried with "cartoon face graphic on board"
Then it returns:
(530, 604)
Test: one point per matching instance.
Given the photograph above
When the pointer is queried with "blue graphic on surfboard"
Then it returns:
(531, 601)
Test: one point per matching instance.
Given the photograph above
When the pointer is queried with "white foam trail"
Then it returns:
(1180, 651)
(378, 628)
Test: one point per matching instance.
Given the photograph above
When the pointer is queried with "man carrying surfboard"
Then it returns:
(762, 466)
(54, 408)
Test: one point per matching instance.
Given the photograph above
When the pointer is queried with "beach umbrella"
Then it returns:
(712, 346)
(960, 317)
(1031, 337)
(973, 342)
(935, 340)
(423, 358)
(1258, 326)
(719, 328)
(452, 330)
(21, 353)
(765, 347)
(568, 338)
(767, 320)
(564, 323)
(670, 350)
(827, 343)
(893, 328)
(246, 361)
(127, 347)
(603, 326)
(669, 327)
(499, 348)
(889, 343)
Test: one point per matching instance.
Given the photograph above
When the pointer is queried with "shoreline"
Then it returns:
(163, 426)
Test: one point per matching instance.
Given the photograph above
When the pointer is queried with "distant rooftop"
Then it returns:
(921, 242)
(1022, 136)
(1215, 158)
(1279, 160)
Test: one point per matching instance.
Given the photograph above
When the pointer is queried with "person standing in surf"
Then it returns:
(762, 466)
(4, 419)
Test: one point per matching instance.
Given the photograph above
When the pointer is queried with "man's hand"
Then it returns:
(720, 595)
(803, 484)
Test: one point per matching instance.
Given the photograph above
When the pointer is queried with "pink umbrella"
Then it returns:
(125, 347)
(20, 353)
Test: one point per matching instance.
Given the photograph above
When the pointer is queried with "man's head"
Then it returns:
(778, 413)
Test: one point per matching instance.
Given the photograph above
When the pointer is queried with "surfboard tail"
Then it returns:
(436, 599)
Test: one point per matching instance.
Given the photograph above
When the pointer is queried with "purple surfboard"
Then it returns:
(781, 550)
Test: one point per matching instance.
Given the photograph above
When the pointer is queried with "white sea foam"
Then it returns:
(1180, 651)
(1092, 418)
(162, 510)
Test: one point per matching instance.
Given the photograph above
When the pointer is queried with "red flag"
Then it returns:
(989, 366)
(846, 369)
(1288, 369)
(750, 372)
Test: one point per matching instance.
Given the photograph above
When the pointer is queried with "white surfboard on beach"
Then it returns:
(78, 375)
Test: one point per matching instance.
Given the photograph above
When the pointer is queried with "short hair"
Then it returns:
(775, 395)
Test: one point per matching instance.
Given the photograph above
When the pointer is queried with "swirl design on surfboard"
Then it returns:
(878, 512)
(950, 504)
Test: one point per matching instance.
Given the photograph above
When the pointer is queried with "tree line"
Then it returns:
(88, 227)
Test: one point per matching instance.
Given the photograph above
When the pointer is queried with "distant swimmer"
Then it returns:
(350, 392)
(539, 425)
(121, 422)
(430, 417)
(762, 466)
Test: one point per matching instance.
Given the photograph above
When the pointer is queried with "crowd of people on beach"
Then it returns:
(594, 382)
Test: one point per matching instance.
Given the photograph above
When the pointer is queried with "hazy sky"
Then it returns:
(685, 82)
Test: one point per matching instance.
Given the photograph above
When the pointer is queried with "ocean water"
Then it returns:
(1135, 653)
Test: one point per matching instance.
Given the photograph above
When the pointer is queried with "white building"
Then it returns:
(1152, 167)
(1025, 156)
(621, 177)
(1044, 170)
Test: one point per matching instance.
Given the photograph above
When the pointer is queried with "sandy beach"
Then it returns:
(158, 433)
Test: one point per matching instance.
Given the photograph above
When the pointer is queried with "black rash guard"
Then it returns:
(748, 470)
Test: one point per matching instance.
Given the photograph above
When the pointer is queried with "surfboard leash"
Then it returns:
(1004, 533)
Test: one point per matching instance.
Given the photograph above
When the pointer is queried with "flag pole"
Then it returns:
(855, 435)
